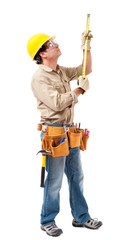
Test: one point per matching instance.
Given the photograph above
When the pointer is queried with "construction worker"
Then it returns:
(55, 101)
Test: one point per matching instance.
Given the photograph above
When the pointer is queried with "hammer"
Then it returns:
(44, 153)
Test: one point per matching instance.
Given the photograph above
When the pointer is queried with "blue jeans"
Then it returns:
(55, 168)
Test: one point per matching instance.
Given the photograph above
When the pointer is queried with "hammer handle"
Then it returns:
(42, 177)
(43, 171)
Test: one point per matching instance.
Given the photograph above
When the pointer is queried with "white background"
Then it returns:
(104, 110)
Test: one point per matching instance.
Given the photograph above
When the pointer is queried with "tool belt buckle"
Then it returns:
(66, 128)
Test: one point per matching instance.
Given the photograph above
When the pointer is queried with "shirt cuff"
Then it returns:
(75, 98)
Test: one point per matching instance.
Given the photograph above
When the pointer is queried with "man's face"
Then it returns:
(52, 50)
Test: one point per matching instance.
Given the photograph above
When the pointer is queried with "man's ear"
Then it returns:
(43, 54)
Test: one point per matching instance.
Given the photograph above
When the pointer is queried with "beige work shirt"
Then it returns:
(55, 100)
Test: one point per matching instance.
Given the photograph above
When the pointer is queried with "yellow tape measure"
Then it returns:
(85, 55)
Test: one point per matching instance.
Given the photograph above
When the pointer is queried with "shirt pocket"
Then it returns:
(59, 87)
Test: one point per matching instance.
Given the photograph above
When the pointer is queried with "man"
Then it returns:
(55, 100)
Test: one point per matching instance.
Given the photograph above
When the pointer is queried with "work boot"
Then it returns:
(52, 230)
(92, 224)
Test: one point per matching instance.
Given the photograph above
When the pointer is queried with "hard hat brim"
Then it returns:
(53, 37)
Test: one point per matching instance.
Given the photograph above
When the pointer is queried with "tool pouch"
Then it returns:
(75, 137)
(83, 145)
(53, 143)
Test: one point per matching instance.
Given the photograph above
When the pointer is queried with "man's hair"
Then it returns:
(37, 57)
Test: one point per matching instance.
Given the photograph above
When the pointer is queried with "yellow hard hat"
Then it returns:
(36, 42)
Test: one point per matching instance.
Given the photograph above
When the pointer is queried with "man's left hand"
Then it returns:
(83, 39)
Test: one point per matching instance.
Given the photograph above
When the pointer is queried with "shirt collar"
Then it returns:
(48, 69)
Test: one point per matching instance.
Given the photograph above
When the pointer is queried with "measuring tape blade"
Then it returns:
(86, 44)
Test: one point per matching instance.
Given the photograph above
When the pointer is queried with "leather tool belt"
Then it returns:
(72, 137)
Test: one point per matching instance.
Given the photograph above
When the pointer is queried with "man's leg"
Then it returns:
(50, 207)
(73, 170)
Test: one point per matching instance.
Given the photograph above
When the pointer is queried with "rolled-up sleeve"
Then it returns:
(51, 97)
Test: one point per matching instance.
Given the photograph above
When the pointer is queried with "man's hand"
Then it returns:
(78, 91)
(83, 83)
(83, 39)
(39, 126)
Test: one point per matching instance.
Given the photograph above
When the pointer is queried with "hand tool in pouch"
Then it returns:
(86, 132)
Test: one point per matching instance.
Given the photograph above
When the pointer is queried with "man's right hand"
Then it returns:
(78, 91)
